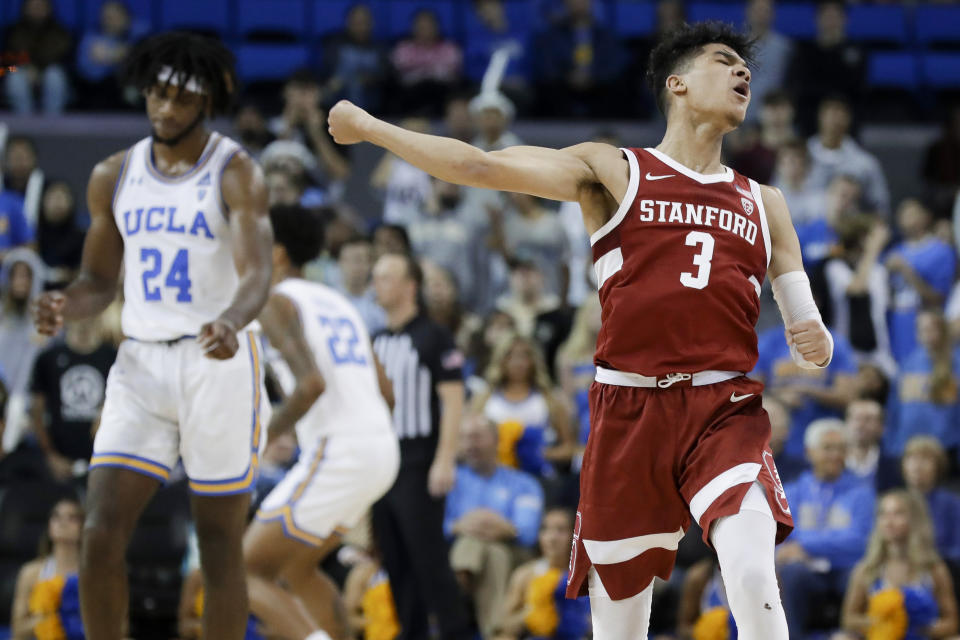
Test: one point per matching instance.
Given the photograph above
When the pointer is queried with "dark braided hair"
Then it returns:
(190, 56)
(678, 48)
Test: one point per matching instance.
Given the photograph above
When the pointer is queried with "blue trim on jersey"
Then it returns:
(224, 209)
(201, 161)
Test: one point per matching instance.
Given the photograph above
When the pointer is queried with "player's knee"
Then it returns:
(103, 542)
(751, 581)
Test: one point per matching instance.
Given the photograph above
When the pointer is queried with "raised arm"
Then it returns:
(281, 324)
(245, 196)
(95, 286)
(557, 174)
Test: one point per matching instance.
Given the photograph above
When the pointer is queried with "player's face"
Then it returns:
(555, 535)
(66, 522)
(718, 84)
(893, 519)
(173, 113)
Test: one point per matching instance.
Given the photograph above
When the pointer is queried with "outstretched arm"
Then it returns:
(96, 285)
(245, 196)
(555, 174)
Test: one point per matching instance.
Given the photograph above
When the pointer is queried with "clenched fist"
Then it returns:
(48, 313)
(347, 122)
(811, 340)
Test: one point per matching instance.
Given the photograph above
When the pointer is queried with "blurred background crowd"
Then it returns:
(855, 117)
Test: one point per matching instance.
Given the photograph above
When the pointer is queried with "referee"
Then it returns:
(425, 367)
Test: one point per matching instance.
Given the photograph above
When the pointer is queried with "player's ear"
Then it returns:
(676, 84)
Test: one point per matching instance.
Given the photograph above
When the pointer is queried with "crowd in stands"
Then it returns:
(868, 449)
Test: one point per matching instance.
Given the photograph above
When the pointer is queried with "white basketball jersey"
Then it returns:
(351, 403)
(178, 265)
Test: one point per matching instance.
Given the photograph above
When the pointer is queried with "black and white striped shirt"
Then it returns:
(416, 358)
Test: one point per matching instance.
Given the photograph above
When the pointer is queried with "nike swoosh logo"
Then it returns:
(735, 398)
(669, 175)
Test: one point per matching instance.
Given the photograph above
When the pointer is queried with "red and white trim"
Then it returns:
(617, 551)
(703, 178)
(740, 474)
(764, 227)
(627, 201)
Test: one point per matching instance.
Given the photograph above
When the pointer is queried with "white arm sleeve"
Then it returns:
(795, 300)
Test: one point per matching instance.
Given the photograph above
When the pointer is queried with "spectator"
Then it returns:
(872, 383)
(495, 328)
(833, 514)
(772, 50)
(441, 297)
(296, 159)
(925, 466)
(865, 458)
(922, 268)
(818, 238)
(46, 44)
(491, 510)
(527, 297)
(575, 367)
(67, 391)
(390, 238)
(368, 602)
(941, 165)
(577, 65)
(356, 266)
(444, 234)
(46, 603)
(534, 605)
(303, 120)
(457, 121)
(779, 415)
(15, 231)
(21, 279)
(531, 232)
(493, 114)
(59, 234)
(808, 393)
(22, 175)
(251, 128)
(857, 286)
(407, 188)
(284, 187)
(354, 64)
(757, 157)
(493, 32)
(807, 203)
(901, 583)
(827, 65)
(101, 52)
(534, 422)
(833, 151)
(428, 66)
(927, 399)
(703, 607)
(424, 366)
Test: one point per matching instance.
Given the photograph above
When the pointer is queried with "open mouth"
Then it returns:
(743, 89)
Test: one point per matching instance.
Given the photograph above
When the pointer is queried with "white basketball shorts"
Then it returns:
(332, 485)
(167, 401)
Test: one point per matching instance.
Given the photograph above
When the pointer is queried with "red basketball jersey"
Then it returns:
(679, 267)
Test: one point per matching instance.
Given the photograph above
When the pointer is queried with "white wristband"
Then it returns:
(795, 300)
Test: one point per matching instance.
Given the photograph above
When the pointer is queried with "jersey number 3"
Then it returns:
(177, 278)
(701, 260)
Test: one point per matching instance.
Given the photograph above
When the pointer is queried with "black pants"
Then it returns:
(408, 526)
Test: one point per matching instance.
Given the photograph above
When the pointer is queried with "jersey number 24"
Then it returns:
(178, 277)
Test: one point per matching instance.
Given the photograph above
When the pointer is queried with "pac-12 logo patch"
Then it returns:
(747, 206)
(771, 468)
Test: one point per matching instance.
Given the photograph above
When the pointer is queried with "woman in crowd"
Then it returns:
(535, 606)
(926, 398)
(496, 327)
(427, 64)
(925, 466)
(533, 420)
(46, 604)
(441, 295)
(901, 589)
(59, 234)
(575, 368)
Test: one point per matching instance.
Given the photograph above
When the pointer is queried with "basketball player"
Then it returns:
(681, 245)
(184, 213)
(349, 452)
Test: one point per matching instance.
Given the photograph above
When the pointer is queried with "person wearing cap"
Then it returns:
(492, 114)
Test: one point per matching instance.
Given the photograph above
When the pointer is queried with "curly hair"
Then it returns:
(676, 51)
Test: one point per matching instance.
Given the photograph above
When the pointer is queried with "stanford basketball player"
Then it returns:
(681, 245)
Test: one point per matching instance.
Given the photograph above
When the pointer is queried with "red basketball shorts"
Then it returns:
(656, 457)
